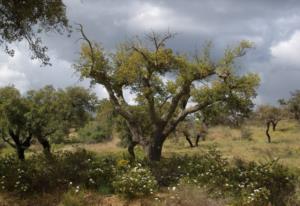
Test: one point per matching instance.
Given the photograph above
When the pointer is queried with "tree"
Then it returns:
(42, 114)
(27, 19)
(15, 112)
(45, 114)
(293, 104)
(270, 115)
(162, 102)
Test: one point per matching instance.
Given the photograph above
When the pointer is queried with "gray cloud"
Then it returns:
(272, 24)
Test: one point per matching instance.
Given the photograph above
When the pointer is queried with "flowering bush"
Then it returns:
(135, 182)
(39, 174)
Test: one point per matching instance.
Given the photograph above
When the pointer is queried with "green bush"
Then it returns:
(135, 181)
(39, 174)
(246, 183)
(94, 132)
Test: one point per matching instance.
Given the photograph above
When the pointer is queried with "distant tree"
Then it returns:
(45, 114)
(76, 107)
(270, 115)
(101, 127)
(27, 19)
(293, 104)
(162, 102)
(42, 114)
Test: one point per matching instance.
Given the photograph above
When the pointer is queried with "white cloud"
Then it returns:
(148, 16)
(287, 52)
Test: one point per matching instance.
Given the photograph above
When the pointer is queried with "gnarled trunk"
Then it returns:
(155, 148)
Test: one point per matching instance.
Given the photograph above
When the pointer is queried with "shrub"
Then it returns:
(93, 132)
(39, 174)
(135, 181)
(247, 183)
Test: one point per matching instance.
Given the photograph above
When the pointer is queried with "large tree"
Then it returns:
(168, 86)
(27, 20)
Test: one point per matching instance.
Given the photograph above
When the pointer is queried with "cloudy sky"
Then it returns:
(273, 25)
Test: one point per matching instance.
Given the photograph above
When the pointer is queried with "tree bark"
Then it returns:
(187, 137)
(130, 149)
(274, 124)
(46, 145)
(267, 132)
(155, 148)
(20, 152)
(197, 139)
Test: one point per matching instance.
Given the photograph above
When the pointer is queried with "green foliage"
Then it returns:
(40, 174)
(144, 68)
(267, 113)
(27, 19)
(135, 181)
(93, 132)
(293, 104)
(244, 183)
(43, 114)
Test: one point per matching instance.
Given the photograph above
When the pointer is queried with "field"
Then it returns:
(253, 146)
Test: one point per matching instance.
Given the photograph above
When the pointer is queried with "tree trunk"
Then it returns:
(131, 149)
(267, 132)
(197, 139)
(20, 152)
(274, 124)
(46, 146)
(155, 148)
(187, 137)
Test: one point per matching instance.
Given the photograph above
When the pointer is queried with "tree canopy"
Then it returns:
(43, 113)
(27, 20)
(168, 86)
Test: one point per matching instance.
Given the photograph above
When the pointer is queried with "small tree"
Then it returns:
(270, 115)
(167, 85)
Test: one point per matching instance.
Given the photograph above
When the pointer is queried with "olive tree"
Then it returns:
(167, 85)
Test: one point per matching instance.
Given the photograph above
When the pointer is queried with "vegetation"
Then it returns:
(162, 105)
(42, 114)
(27, 19)
(246, 183)
(176, 95)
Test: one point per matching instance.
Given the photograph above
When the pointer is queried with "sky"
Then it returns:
(273, 25)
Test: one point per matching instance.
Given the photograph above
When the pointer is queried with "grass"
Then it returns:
(285, 144)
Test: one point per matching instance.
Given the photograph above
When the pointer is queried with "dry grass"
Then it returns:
(285, 144)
